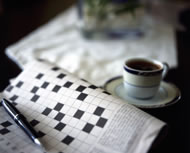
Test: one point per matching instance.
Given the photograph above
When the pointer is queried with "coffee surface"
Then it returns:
(143, 65)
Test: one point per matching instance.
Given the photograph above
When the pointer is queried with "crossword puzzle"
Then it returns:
(67, 112)
(5, 126)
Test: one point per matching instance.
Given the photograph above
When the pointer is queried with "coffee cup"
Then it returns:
(142, 77)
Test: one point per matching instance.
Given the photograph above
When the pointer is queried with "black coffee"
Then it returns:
(143, 65)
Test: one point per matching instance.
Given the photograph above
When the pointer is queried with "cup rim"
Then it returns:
(144, 72)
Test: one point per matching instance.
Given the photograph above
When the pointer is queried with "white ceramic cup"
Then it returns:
(142, 77)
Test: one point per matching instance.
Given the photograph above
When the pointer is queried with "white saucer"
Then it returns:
(168, 94)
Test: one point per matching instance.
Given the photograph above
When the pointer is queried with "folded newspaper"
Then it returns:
(72, 115)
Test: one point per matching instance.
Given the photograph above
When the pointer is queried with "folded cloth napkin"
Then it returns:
(60, 42)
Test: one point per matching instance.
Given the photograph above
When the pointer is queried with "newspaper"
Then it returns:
(72, 115)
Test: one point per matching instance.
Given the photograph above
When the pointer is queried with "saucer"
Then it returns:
(167, 94)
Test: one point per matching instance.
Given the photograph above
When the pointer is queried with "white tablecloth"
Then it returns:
(59, 41)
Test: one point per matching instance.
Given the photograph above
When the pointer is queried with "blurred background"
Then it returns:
(21, 17)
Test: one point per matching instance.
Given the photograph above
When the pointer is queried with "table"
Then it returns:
(19, 19)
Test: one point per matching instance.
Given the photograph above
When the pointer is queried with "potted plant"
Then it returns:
(111, 18)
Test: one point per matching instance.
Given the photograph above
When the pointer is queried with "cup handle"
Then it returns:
(165, 69)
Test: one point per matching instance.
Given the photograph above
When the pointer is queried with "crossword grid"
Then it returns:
(66, 111)
(11, 136)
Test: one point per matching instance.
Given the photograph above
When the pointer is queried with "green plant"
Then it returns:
(102, 8)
